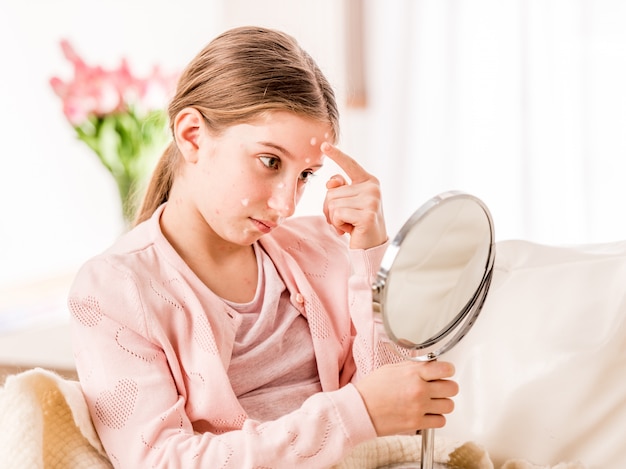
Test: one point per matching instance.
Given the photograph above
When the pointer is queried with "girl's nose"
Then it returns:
(283, 199)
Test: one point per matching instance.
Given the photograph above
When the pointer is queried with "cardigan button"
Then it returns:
(299, 298)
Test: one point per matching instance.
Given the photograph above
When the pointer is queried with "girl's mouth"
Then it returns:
(263, 226)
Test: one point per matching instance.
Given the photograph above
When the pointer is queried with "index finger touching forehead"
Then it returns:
(348, 164)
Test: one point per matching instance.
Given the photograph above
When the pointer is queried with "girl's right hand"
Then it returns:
(409, 396)
(354, 207)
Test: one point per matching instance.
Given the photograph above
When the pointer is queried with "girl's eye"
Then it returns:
(305, 176)
(270, 162)
(274, 163)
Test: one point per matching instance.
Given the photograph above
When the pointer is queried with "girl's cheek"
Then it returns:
(299, 194)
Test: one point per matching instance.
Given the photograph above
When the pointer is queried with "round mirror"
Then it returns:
(434, 279)
(435, 274)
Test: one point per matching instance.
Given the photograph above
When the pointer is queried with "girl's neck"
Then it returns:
(229, 270)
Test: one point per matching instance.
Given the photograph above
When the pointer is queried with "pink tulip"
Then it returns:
(94, 91)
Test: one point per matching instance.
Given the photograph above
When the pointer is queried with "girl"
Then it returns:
(218, 333)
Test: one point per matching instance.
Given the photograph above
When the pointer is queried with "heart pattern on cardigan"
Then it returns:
(86, 310)
(125, 339)
(114, 408)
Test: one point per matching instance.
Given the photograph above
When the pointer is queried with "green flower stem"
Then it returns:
(127, 146)
(124, 186)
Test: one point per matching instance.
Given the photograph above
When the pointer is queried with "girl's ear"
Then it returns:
(188, 127)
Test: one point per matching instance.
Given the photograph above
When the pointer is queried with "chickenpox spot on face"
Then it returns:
(326, 135)
(281, 185)
(313, 141)
(307, 160)
(245, 202)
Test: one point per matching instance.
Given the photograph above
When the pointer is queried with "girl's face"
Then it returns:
(249, 178)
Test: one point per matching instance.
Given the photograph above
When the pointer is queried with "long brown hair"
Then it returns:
(241, 74)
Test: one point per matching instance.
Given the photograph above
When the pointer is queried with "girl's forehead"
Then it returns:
(285, 130)
(327, 138)
(284, 118)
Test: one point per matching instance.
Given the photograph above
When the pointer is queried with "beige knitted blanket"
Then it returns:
(45, 423)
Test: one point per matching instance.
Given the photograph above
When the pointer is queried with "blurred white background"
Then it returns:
(520, 102)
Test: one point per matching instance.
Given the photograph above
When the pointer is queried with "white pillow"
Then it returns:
(542, 373)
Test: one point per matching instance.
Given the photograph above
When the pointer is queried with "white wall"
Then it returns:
(522, 103)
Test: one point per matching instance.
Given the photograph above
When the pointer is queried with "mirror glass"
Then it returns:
(435, 274)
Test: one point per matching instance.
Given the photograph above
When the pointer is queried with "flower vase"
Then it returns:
(132, 179)
(128, 145)
(130, 197)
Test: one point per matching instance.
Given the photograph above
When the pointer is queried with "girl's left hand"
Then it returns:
(354, 207)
